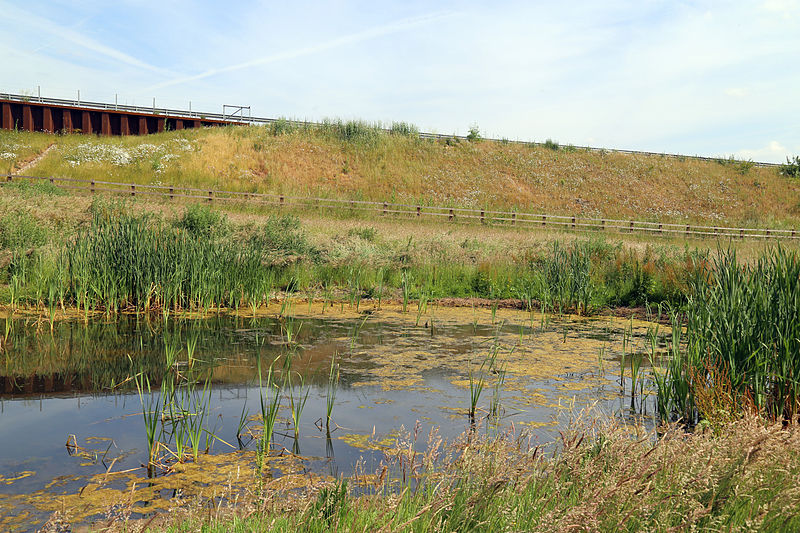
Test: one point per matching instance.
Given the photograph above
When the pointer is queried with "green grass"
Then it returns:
(21, 231)
(741, 342)
(202, 260)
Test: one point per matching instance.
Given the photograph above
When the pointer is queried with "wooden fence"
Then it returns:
(451, 214)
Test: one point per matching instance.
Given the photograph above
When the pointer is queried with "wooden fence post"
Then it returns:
(482, 219)
(8, 178)
(687, 231)
(419, 211)
(452, 216)
(661, 229)
(544, 220)
(171, 193)
(133, 190)
(602, 225)
(92, 187)
(281, 201)
(384, 208)
(573, 222)
(513, 219)
(631, 226)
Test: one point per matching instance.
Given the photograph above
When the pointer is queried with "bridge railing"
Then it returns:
(180, 113)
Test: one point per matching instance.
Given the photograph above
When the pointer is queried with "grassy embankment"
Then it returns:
(740, 475)
(357, 161)
(409, 259)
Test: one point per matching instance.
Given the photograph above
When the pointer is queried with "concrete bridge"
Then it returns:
(30, 113)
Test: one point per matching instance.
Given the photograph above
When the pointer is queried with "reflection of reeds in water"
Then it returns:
(297, 402)
(333, 385)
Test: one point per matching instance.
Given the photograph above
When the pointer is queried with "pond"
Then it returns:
(74, 396)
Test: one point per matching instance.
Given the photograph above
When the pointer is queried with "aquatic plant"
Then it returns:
(742, 320)
(151, 414)
(200, 406)
(477, 382)
(270, 406)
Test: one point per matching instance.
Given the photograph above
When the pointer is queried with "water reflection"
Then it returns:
(78, 380)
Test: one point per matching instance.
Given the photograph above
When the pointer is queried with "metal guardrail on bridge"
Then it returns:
(239, 118)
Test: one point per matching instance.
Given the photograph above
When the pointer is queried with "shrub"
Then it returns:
(551, 144)
(792, 167)
(202, 221)
(474, 133)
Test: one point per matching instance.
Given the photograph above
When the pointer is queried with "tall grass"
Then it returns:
(137, 262)
(270, 406)
(598, 479)
(742, 333)
(144, 264)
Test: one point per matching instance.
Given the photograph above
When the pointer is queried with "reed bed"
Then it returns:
(736, 347)
(200, 261)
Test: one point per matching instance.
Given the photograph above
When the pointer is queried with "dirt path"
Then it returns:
(23, 167)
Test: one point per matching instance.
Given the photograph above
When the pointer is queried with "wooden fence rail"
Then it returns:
(452, 214)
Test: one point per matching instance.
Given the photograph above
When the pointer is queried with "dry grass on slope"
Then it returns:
(398, 168)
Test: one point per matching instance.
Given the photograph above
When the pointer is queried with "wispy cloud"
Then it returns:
(372, 33)
(16, 16)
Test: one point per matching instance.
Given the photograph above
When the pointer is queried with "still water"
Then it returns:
(72, 430)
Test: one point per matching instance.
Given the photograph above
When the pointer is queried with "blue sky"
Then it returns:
(709, 78)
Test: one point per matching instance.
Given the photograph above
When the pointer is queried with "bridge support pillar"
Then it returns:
(124, 127)
(8, 118)
(198, 124)
(143, 126)
(67, 120)
(178, 124)
(47, 120)
(161, 123)
(105, 124)
(27, 118)
(86, 123)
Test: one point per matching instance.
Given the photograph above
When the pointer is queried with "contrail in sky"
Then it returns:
(14, 15)
(379, 31)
